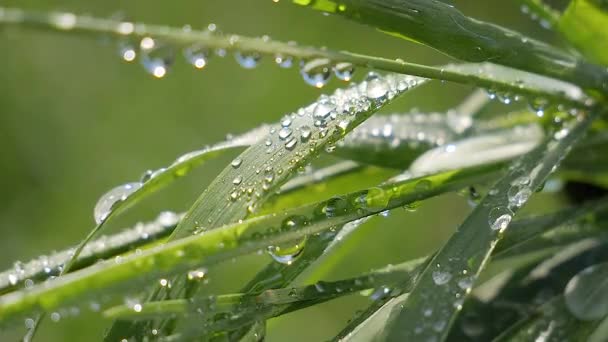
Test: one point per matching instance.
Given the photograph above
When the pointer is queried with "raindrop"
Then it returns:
(197, 55)
(538, 106)
(283, 61)
(248, 60)
(441, 277)
(127, 52)
(287, 253)
(236, 163)
(120, 193)
(344, 71)
(55, 317)
(518, 196)
(316, 72)
(499, 218)
(155, 57)
(237, 180)
(376, 89)
(305, 133)
(291, 144)
(335, 206)
(285, 133)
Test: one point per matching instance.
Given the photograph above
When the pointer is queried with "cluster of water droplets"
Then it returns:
(456, 284)
(49, 266)
(413, 130)
(157, 57)
(544, 23)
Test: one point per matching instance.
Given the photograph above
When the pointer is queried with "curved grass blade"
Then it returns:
(105, 247)
(232, 240)
(320, 291)
(448, 30)
(71, 23)
(395, 141)
(584, 25)
(479, 149)
(161, 178)
(462, 258)
(264, 167)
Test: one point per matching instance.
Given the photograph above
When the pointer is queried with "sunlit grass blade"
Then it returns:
(448, 30)
(241, 188)
(460, 261)
(584, 25)
(71, 23)
(231, 241)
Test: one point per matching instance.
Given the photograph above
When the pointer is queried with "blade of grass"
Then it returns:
(466, 253)
(71, 23)
(584, 25)
(448, 30)
(230, 241)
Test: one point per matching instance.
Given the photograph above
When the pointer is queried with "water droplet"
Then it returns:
(29, 323)
(248, 60)
(137, 307)
(518, 195)
(499, 218)
(305, 133)
(55, 317)
(344, 71)
(335, 206)
(155, 57)
(13, 279)
(127, 51)
(376, 89)
(538, 106)
(197, 55)
(104, 206)
(287, 253)
(291, 144)
(236, 163)
(285, 133)
(316, 72)
(237, 180)
(441, 277)
(283, 61)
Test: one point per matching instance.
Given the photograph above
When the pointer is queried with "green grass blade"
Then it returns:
(74, 24)
(584, 25)
(105, 247)
(466, 253)
(451, 32)
(321, 290)
(242, 187)
(231, 241)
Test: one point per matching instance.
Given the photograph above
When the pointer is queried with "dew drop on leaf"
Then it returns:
(127, 52)
(316, 72)
(197, 56)
(105, 203)
(344, 71)
(499, 218)
(248, 60)
(156, 58)
(441, 277)
(283, 61)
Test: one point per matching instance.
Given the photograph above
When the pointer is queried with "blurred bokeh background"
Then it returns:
(76, 120)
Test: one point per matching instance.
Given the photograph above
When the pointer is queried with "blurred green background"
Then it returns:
(75, 121)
